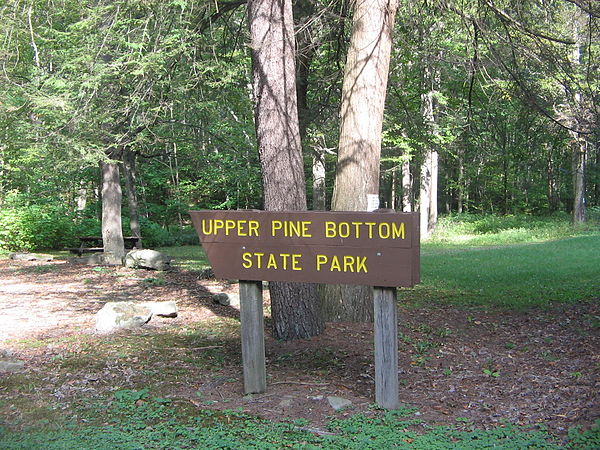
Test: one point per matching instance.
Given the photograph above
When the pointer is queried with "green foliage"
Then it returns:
(135, 419)
(490, 229)
(35, 227)
(514, 276)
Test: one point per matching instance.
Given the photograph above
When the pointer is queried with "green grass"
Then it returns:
(516, 276)
(134, 419)
(188, 257)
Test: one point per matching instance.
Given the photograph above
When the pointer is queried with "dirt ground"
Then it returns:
(465, 367)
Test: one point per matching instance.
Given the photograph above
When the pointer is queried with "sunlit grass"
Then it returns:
(187, 257)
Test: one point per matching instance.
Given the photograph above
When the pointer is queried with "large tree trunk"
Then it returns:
(357, 170)
(112, 233)
(295, 308)
(129, 167)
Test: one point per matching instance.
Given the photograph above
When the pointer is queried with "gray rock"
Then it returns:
(101, 259)
(226, 299)
(287, 401)
(207, 274)
(122, 315)
(11, 366)
(147, 259)
(338, 403)
(25, 256)
(162, 309)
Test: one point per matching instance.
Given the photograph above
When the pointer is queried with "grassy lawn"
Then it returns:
(515, 276)
(485, 262)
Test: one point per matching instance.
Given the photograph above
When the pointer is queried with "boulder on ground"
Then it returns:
(10, 366)
(129, 315)
(100, 259)
(162, 309)
(225, 299)
(122, 315)
(147, 259)
(25, 256)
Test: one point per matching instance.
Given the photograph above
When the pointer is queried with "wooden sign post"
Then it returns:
(379, 249)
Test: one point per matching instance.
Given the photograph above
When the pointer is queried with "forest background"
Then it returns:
(492, 107)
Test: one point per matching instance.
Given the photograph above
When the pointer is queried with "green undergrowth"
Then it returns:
(138, 420)
(188, 257)
(471, 230)
(517, 276)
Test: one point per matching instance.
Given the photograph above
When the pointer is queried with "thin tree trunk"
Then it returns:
(295, 307)
(112, 233)
(129, 167)
(407, 187)
(318, 171)
(425, 194)
(357, 170)
(579, 162)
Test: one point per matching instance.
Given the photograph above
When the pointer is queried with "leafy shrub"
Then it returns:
(153, 235)
(34, 227)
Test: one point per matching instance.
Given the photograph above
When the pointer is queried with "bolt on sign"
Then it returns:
(368, 248)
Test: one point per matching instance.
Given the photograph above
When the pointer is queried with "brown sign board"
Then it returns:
(369, 248)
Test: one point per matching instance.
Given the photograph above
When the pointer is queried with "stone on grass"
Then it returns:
(25, 256)
(226, 299)
(207, 274)
(129, 315)
(147, 259)
(122, 315)
(338, 403)
(11, 366)
(101, 259)
(162, 309)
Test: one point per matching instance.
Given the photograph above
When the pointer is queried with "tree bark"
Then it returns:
(428, 206)
(318, 171)
(295, 308)
(112, 233)
(406, 186)
(357, 170)
(129, 167)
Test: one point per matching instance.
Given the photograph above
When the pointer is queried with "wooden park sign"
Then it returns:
(379, 249)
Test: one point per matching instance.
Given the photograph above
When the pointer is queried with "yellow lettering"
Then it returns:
(335, 264)
(295, 262)
(357, 229)
(241, 231)
(229, 225)
(253, 228)
(247, 257)
(361, 264)
(294, 229)
(218, 224)
(259, 259)
(272, 264)
(206, 229)
(285, 257)
(329, 229)
(398, 230)
(344, 229)
(348, 263)
(305, 231)
(370, 225)
(321, 259)
(384, 230)
(276, 225)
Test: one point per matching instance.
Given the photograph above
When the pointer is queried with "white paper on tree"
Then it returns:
(372, 202)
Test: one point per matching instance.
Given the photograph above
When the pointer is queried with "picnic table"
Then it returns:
(90, 244)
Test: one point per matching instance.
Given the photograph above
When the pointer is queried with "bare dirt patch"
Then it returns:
(467, 367)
